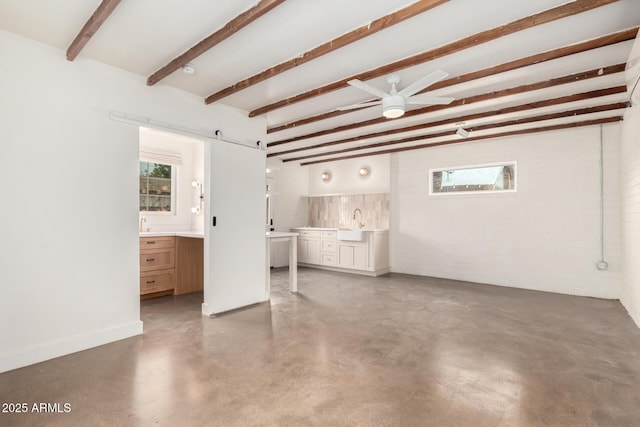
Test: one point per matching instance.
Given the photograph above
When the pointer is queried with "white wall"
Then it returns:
(69, 222)
(191, 152)
(544, 237)
(290, 207)
(345, 178)
(630, 171)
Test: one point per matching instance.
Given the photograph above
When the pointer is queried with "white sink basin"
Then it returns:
(353, 235)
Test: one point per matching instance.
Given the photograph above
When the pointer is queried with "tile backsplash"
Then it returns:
(338, 211)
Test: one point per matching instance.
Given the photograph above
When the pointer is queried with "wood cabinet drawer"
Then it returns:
(329, 245)
(329, 259)
(157, 242)
(157, 259)
(161, 280)
(329, 234)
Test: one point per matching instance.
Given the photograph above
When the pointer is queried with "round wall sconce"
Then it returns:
(326, 176)
(364, 171)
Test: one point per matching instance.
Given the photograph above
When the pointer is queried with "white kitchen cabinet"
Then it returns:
(320, 248)
(309, 247)
(353, 255)
(328, 248)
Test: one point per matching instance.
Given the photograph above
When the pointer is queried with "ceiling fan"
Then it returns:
(394, 102)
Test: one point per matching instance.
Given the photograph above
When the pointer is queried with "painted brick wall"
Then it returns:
(546, 236)
(630, 171)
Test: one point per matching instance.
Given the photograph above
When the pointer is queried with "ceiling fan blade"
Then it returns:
(361, 105)
(424, 82)
(430, 100)
(367, 88)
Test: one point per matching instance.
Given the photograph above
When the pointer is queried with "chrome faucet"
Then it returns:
(360, 224)
(143, 219)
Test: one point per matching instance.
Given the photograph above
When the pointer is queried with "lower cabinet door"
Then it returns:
(352, 256)
(313, 251)
(302, 249)
(345, 256)
(360, 257)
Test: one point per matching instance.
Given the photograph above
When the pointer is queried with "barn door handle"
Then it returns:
(214, 221)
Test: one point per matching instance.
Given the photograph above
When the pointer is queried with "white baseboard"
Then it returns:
(61, 347)
(347, 270)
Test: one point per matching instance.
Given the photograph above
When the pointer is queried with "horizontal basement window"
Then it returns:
(488, 178)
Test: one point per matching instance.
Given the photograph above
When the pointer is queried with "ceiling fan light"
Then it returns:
(392, 112)
(393, 106)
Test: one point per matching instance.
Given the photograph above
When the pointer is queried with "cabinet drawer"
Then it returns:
(329, 259)
(157, 242)
(156, 282)
(329, 234)
(157, 259)
(309, 234)
(329, 245)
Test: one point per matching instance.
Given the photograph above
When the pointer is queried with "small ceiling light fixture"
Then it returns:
(364, 171)
(188, 69)
(326, 176)
(461, 132)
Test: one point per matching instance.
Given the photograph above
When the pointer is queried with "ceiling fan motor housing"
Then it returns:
(393, 106)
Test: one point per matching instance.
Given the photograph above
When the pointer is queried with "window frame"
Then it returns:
(174, 186)
(513, 164)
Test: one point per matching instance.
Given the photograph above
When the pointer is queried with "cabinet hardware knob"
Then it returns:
(150, 259)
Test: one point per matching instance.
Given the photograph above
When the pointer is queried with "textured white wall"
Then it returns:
(289, 206)
(345, 178)
(545, 236)
(69, 222)
(630, 171)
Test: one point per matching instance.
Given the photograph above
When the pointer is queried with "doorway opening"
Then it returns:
(171, 216)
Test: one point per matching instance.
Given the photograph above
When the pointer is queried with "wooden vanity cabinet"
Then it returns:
(189, 265)
(157, 265)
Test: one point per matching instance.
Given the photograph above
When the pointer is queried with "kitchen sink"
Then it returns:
(350, 234)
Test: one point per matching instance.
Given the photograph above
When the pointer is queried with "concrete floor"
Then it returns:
(348, 350)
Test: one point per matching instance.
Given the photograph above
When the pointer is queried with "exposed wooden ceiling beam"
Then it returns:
(556, 13)
(345, 39)
(229, 29)
(91, 27)
(607, 40)
(452, 120)
(477, 138)
(519, 121)
(465, 101)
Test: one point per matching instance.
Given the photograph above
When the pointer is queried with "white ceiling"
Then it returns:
(143, 35)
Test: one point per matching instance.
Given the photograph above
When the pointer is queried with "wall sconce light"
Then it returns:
(326, 176)
(198, 208)
(364, 171)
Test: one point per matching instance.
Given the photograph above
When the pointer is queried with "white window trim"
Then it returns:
(174, 186)
(467, 193)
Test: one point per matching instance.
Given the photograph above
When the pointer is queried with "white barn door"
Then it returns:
(234, 227)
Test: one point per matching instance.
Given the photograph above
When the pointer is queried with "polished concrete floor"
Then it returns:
(348, 350)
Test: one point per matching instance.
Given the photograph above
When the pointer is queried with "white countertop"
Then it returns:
(274, 234)
(194, 234)
(336, 229)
